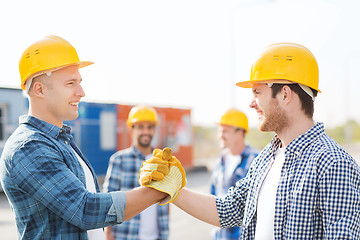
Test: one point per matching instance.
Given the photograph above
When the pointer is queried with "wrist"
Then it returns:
(159, 195)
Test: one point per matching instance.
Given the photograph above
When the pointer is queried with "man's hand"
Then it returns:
(156, 167)
(108, 233)
(154, 174)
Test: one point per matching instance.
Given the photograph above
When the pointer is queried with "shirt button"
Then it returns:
(66, 142)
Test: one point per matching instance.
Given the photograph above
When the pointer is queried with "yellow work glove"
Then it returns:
(156, 177)
(156, 167)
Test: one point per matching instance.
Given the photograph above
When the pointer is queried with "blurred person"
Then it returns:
(123, 174)
(51, 186)
(234, 161)
(302, 185)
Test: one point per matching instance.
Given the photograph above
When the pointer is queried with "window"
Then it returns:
(3, 122)
(108, 130)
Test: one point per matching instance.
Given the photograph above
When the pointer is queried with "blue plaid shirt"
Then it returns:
(318, 196)
(123, 174)
(45, 185)
(219, 186)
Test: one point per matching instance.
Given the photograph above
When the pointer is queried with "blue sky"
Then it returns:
(190, 54)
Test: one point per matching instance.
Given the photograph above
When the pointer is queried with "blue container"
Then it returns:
(13, 104)
(95, 133)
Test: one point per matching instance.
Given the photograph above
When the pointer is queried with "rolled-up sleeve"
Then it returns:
(118, 207)
(53, 186)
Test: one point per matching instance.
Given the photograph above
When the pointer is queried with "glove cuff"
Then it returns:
(171, 184)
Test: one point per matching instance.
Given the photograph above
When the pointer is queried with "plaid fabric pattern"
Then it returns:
(45, 184)
(123, 174)
(218, 186)
(318, 196)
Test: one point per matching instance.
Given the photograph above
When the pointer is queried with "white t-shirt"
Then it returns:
(267, 198)
(94, 234)
(149, 229)
(231, 161)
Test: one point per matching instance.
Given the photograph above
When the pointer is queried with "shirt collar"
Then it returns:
(48, 128)
(138, 153)
(299, 144)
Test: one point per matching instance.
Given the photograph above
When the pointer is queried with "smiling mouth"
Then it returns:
(74, 104)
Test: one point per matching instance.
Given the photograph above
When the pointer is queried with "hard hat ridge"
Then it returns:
(141, 113)
(236, 118)
(281, 62)
(49, 54)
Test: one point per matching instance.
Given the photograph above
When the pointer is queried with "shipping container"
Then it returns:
(13, 104)
(94, 132)
(101, 130)
(174, 130)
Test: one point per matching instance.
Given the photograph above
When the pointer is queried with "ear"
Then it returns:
(286, 94)
(38, 89)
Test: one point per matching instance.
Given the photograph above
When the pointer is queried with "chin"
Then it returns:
(263, 128)
(73, 117)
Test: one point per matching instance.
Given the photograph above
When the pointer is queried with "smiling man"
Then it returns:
(123, 174)
(302, 185)
(50, 184)
(234, 161)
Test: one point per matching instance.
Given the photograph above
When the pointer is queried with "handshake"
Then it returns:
(164, 173)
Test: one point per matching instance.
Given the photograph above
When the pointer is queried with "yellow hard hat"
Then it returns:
(284, 62)
(236, 118)
(46, 55)
(141, 113)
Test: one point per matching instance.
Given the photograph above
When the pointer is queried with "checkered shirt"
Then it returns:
(46, 186)
(219, 186)
(318, 196)
(123, 174)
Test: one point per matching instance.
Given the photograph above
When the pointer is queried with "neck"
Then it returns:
(295, 129)
(144, 150)
(41, 114)
(237, 149)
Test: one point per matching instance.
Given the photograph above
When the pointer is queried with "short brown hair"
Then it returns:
(307, 104)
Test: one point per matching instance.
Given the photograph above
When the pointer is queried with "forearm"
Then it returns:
(138, 199)
(108, 233)
(200, 206)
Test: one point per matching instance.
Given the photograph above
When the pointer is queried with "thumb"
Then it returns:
(167, 154)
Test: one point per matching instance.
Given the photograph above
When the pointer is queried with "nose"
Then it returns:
(253, 103)
(81, 91)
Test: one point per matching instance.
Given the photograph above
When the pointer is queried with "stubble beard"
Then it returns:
(275, 120)
(142, 143)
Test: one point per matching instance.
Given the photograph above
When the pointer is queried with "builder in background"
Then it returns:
(123, 175)
(50, 184)
(302, 185)
(234, 161)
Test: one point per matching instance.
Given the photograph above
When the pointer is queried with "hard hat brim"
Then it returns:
(80, 64)
(249, 84)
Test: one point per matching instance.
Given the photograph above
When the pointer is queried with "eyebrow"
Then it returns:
(73, 79)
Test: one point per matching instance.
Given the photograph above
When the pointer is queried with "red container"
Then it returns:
(174, 130)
